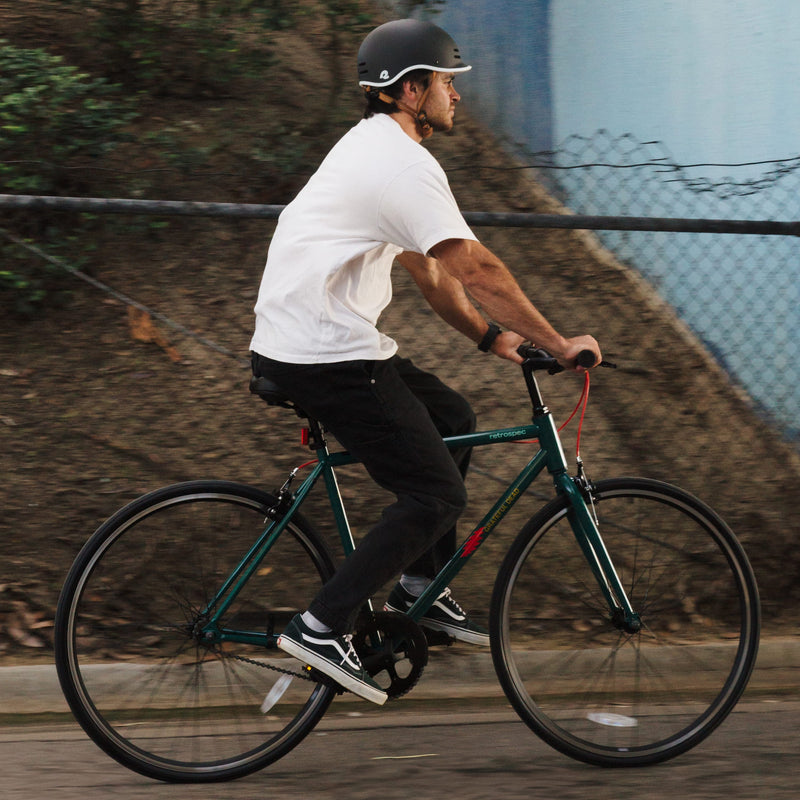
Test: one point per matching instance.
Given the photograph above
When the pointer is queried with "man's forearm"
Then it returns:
(495, 289)
(445, 295)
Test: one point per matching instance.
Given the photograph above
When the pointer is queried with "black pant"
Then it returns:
(391, 416)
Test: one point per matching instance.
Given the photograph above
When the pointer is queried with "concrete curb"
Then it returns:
(451, 674)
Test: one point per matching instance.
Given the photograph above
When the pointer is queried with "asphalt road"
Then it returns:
(422, 751)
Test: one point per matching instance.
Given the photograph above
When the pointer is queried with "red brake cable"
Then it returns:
(583, 401)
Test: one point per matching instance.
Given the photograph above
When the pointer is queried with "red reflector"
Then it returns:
(305, 436)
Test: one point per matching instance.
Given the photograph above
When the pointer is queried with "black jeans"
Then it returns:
(391, 416)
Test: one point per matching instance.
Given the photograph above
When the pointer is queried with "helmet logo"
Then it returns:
(384, 75)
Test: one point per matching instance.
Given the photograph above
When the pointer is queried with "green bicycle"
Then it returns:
(624, 621)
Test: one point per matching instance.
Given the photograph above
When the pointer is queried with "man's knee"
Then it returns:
(436, 509)
(452, 503)
(460, 419)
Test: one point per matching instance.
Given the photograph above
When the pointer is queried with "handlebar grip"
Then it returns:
(585, 359)
(543, 360)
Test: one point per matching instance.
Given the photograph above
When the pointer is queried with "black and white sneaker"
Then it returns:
(444, 615)
(332, 655)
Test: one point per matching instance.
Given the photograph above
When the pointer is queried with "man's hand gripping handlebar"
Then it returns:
(541, 359)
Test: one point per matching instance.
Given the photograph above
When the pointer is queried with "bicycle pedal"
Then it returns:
(316, 676)
(438, 638)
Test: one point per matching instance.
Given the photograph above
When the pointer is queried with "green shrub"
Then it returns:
(52, 118)
(51, 115)
(192, 48)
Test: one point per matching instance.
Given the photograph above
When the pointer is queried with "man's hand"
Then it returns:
(574, 346)
(505, 346)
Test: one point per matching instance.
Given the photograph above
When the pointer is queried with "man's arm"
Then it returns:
(488, 280)
(446, 295)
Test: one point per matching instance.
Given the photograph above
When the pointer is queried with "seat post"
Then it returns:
(316, 436)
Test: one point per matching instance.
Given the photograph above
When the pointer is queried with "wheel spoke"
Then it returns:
(133, 665)
(598, 693)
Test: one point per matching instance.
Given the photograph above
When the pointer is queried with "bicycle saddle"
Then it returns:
(272, 395)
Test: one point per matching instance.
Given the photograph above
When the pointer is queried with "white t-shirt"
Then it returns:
(328, 274)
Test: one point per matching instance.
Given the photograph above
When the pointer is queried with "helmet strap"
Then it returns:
(420, 118)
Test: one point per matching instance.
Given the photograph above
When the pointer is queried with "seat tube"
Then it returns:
(340, 517)
(337, 507)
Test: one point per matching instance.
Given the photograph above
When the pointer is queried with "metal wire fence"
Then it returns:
(723, 253)
(739, 293)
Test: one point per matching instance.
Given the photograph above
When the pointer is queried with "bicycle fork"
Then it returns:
(585, 527)
(583, 521)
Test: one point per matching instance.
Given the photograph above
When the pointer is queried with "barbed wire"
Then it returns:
(740, 296)
(548, 160)
(539, 162)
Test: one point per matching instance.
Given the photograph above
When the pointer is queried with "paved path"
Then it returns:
(453, 737)
(424, 752)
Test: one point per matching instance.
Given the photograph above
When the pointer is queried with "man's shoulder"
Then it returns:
(368, 160)
(379, 137)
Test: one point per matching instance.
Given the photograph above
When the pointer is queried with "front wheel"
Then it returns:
(576, 677)
(136, 663)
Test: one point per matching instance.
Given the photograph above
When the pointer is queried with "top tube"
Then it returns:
(480, 438)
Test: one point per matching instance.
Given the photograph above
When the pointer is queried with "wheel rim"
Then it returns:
(146, 686)
(607, 696)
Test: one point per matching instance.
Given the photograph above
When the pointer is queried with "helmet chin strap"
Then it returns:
(420, 118)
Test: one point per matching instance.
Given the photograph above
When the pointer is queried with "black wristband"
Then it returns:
(491, 334)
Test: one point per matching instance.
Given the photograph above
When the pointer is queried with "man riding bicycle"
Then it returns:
(379, 196)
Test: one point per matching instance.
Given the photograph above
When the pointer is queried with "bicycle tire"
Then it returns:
(593, 691)
(139, 678)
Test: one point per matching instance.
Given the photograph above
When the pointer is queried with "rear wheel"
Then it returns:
(143, 680)
(585, 685)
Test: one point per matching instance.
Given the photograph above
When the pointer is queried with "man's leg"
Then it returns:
(453, 416)
(376, 416)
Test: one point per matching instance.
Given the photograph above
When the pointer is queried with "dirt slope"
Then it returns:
(90, 416)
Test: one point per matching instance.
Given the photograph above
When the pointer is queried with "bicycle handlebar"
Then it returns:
(541, 359)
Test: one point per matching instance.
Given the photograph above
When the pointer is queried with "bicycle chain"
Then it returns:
(306, 677)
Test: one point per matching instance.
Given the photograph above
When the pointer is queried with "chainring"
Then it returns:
(393, 649)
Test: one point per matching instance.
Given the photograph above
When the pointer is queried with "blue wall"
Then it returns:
(715, 81)
(507, 44)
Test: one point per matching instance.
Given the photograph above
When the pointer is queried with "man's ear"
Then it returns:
(411, 87)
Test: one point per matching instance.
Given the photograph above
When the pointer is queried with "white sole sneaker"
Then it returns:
(344, 678)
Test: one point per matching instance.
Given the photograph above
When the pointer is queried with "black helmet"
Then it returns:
(395, 48)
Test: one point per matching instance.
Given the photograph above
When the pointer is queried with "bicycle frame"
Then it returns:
(550, 456)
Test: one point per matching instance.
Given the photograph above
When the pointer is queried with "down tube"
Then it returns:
(514, 491)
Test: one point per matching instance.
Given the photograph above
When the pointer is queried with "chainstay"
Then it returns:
(305, 677)
(313, 676)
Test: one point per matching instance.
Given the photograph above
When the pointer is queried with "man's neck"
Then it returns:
(408, 124)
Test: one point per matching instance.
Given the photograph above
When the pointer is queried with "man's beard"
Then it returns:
(443, 126)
